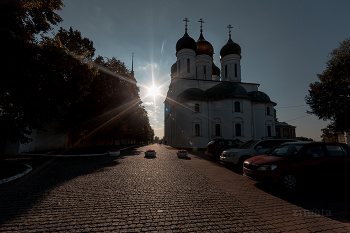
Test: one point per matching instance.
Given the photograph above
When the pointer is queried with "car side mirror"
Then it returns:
(258, 148)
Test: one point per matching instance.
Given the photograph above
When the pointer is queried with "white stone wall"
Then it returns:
(182, 56)
(202, 61)
(230, 61)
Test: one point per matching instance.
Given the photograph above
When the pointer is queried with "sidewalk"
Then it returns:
(12, 168)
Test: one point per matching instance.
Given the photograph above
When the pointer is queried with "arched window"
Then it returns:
(196, 108)
(178, 64)
(237, 106)
(236, 70)
(238, 129)
(268, 111)
(197, 130)
(225, 71)
(205, 72)
(196, 73)
(188, 66)
(269, 131)
(217, 130)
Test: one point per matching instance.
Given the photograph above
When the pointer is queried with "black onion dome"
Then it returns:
(215, 70)
(174, 68)
(259, 96)
(226, 90)
(204, 47)
(191, 94)
(186, 42)
(230, 48)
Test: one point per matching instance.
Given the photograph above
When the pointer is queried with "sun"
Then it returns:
(153, 91)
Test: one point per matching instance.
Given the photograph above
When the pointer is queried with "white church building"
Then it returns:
(204, 102)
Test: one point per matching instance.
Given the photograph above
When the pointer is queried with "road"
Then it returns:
(132, 193)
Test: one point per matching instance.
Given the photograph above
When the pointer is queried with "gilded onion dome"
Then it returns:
(186, 42)
(215, 70)
(204, 47)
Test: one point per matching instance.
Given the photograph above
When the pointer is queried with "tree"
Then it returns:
(22, 22)
(329, 98)
(328, 135)
(304, 138)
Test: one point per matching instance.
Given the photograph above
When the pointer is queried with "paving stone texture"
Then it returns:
(132, 193)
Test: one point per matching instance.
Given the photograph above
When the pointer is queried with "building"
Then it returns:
(205, 102)
(283, 129)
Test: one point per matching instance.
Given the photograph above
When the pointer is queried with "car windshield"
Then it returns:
(247, 144)
(285, 150)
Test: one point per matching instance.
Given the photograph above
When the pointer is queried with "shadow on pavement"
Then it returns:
(20, 195)
(330, 197)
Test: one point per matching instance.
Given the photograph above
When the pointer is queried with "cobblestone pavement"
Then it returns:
(134, 194)
(321, 207)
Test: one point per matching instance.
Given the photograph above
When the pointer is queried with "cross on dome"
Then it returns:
(201, 21)
(229, 30)
(186, 20)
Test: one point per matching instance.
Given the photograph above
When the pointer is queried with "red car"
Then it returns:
(292, 162)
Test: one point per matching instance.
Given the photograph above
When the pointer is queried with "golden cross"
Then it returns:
(201, 21)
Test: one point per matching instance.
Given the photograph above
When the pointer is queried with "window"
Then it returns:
(315, 151)
(217, 130)
(237, 106)
(238, 129)
(188, 65)
(335, 150)
(268, 112)
(205, 72)
(264, 145)
(269, 131)
(236, 70)
(196, 108)
(197, 131)
(196, 73)
(225, 71)
(178, 64)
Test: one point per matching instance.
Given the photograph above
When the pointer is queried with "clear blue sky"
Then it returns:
(284, 43)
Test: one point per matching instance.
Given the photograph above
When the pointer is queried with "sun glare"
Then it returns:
(153, 91)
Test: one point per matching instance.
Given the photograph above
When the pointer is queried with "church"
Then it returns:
(205, 102)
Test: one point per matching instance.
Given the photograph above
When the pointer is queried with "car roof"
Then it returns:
(314, 142)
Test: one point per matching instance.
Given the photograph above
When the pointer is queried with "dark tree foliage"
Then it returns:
(329, 98)
(54, 79)
(20, 84)
(328, 135)
(113, 107)
(304, 138)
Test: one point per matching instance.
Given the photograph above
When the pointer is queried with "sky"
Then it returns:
(285, 44)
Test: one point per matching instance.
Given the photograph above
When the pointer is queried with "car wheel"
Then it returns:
(289, 181)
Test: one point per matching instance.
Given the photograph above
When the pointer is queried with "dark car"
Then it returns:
(293, 162)
(216, 146)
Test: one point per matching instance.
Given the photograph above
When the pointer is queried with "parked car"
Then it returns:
(250, 149)
(291, 162)
(215, 147)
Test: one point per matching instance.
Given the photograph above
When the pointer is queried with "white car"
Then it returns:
(250, 149)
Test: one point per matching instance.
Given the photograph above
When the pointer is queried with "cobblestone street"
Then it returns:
(132, 193)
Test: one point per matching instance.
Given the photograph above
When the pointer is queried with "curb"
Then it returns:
(82, 155)
(29, 169)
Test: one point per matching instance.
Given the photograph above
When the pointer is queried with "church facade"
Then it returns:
(204, 102)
